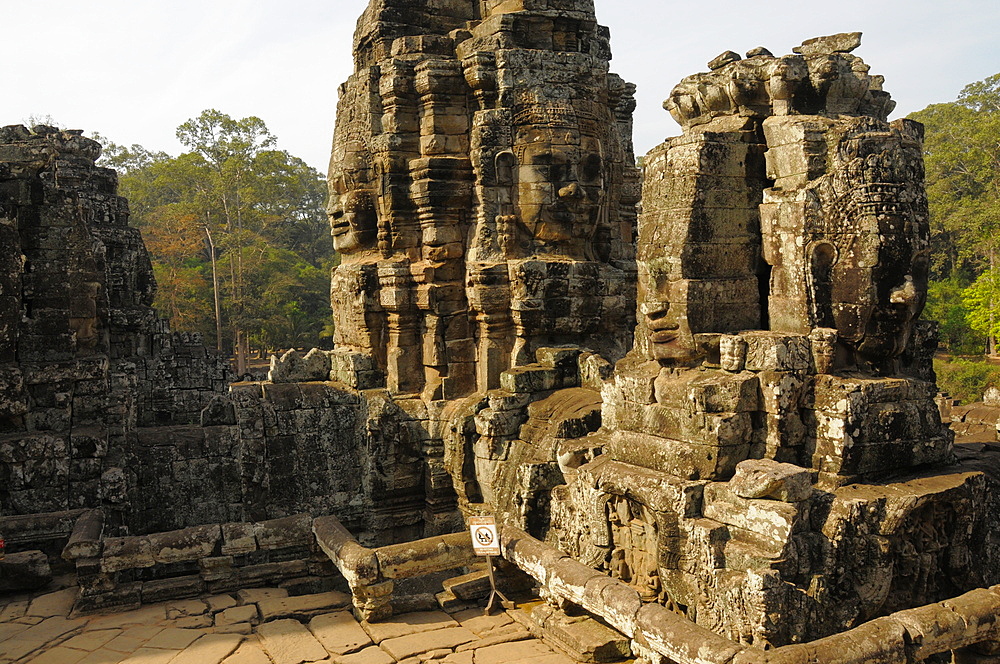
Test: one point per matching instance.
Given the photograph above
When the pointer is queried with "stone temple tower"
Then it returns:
(483, 193)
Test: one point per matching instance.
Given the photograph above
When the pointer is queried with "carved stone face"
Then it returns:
(669, 335)
(874, 310)
(663, 314)
(353, 221)
(560, 188)
(351, 210)
(878, 283)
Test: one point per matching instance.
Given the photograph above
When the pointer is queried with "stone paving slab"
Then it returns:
(173, 638)
(302, 606)
(59, 655)
(508, 653)
(59, 603)
(92, 639)
(209, 649)
(150, 656)
(143, 632)
(492, 639)
(459, 658)
(195, 622)
(218, 603)
(554, 658)
(8, 630)
(237, 614)
(188, 607)
(480, 623)
(36, 637)
(248, 653)
(409, 623)
(13, 610)
(195, 632)
(125, 644)
(153, 614)
(255, 595)
(244, 628)
(339, 633)
(289, 642)
(421, 642)
(370, 655)
(103, 656)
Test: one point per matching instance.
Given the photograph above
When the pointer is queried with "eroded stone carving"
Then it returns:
(496, 146)
(797, 302)
(779, 373)
(862, 225)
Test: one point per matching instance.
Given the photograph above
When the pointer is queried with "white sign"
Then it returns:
(485, 540)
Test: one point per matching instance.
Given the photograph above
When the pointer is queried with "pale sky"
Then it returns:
(134, 70)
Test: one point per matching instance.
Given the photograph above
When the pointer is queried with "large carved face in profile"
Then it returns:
(351, 208)
(663, 314)
(560, 189)
(871, 282)
(874, 293)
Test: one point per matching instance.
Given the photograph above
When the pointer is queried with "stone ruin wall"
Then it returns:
(85, 359)
(103, 406)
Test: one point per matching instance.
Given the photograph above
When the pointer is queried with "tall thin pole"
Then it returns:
(215, 289)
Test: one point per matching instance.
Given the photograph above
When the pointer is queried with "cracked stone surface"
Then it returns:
(154, 634)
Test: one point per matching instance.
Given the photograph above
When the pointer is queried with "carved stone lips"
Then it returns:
(663, 336)
(340, 227)
(662, 330)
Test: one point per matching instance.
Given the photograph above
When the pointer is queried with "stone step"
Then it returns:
(450, 602)
(582, 638)
(475, 585)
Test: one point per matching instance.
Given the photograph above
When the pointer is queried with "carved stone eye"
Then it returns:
(505, 168)
(591, 168)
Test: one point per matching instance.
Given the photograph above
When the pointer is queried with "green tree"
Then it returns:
(946, 306)
(962, 157)
(980, 301)
(236, 221)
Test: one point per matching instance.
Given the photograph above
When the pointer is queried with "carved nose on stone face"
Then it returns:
(906, 294)
(571, 190)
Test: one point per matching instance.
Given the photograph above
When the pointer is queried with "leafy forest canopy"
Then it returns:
(237, 233)
(962, 158)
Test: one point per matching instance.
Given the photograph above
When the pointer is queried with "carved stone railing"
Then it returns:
(47, 531)
(965, 624)
(121, 573)
(372, 573)
(959, 624)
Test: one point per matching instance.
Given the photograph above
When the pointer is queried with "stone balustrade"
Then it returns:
(372, 573)
(968, 625)
(124, 572)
